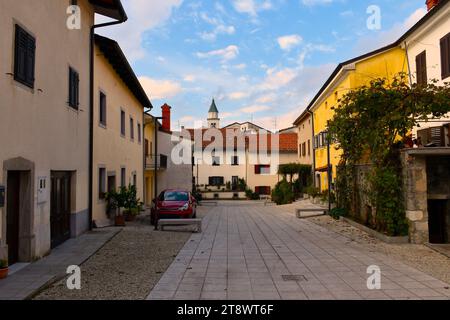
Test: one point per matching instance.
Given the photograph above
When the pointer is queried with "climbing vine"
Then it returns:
(369, 125)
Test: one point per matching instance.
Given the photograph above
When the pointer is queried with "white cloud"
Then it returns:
(189, 78)
(143, 15)
(238, 95)
(251, 7)
(277, 79)
(311, 3)
(372, 41)
(219, 28)
(288, 42)
(226, 54)
(160, 89)
(254, 109)
(266, 98)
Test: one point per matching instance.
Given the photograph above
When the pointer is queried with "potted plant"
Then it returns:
(116, 201)
(132, 204)
(3, 269)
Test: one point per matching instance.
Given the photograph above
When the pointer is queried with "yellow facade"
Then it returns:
(149, 180)
(386, 64)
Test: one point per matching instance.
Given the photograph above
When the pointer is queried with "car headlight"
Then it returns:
(185, 207)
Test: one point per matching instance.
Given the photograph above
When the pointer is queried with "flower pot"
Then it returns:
(129, 217)
(119, 221)
(3, 273)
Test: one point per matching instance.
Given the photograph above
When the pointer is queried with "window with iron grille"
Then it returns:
(131, 129)
(24, 57)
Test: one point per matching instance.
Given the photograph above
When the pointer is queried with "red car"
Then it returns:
(174, 204)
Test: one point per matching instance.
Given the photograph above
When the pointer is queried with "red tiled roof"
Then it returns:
(287, 141)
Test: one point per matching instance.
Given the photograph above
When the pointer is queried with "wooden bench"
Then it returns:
(319, 212)
(180, 222)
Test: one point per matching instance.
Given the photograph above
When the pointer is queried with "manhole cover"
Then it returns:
(296, 278)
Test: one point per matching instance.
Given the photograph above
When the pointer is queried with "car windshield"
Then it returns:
(174, 196)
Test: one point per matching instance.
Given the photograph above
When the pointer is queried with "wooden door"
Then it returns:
(60, 208)
(13, 214)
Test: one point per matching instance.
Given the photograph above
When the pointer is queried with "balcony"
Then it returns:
(150, 162)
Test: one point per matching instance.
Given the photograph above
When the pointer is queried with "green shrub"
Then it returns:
(251, 195)
(336, 213)
(313, 191)
(283, 194)
(3, 264)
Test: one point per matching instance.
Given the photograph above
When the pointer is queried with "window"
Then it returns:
(304, 149)
(235, 161)
(445, 56)
(421, 68)
(262, 190)
(122, 123)
(24, 57)
(309, 147)
(134, 179)
(102, 109)
(74, 88)
(131, 129)
(262, 169)
(147, 146)
(216, 181)
(101, 183)
(300, 150)
(123, 177)
(216, 161)
(139, 132)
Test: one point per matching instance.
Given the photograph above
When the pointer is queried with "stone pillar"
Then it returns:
(416, 196)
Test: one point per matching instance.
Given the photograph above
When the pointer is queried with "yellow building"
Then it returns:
(119, 107)
(383, 63)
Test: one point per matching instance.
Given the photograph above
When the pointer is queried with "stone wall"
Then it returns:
(416, 196)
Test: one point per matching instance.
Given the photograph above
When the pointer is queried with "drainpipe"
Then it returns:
(91, 113)
(314, 149)
(409, 65)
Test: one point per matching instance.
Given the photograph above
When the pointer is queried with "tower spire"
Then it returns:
(213, 116)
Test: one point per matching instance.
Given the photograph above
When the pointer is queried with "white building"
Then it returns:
(428, 49)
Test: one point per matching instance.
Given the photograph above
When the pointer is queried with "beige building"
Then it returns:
(173, 166)
(304, 129)
(44, 124)
(119, 107)
(225, 156)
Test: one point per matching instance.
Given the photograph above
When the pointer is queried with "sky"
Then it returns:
(262, 60)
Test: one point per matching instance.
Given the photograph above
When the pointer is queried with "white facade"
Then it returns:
(427, 39)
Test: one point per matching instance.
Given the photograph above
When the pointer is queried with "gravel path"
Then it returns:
(418, 256)
(127, 267)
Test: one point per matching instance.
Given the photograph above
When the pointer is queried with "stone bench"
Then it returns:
(180, 222)
(313, 212)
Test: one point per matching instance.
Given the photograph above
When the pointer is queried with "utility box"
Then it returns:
(2, 196)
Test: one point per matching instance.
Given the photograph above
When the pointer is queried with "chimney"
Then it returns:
(166, 117)
(431, 4)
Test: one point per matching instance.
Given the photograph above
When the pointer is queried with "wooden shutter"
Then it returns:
(31, 50)
(20, 54)
(445, 56)
(421, 68)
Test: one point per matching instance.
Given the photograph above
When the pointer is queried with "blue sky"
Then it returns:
(262, 60)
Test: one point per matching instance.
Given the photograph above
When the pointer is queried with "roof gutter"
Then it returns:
(91, 112)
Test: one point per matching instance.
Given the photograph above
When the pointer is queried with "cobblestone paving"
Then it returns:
(246, 252)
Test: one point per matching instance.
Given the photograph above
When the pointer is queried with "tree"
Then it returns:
(369, 125)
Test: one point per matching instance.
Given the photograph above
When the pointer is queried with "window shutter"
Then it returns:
(77, 89)
(31, 52)
(257, 170)
(20, 54)
(445, 56)
(421, 66)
